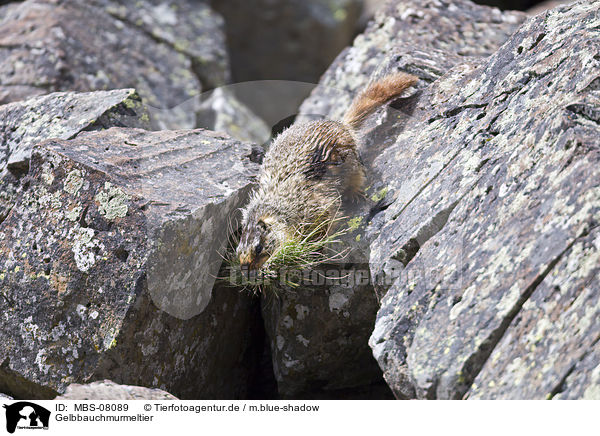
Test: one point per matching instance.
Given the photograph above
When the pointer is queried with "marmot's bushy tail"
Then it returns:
(377, 94)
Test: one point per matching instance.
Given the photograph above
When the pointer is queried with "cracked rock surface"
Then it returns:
(108, 262)
(61, 115)
(168, 51)
(492, 227)
(57, 115)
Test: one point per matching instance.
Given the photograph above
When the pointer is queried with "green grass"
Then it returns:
(307, 248)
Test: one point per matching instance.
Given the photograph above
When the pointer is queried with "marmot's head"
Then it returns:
(261, 237)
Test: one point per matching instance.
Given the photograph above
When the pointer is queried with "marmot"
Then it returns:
(306, 172)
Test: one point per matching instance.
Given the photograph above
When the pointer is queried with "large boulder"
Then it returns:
(108, 262)
(190, 27)
(108, 390)
(318, 330)
(492, 224)
(167, 51)
(319, 333)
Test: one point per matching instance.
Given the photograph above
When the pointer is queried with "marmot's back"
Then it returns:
(309, 151)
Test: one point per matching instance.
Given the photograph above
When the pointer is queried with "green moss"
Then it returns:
(354, 223)
(131, 104)
(378, 196)
(112, 202)
(340, 15)
(181, 46)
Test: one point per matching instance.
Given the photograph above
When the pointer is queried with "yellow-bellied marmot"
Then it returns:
(305, 173)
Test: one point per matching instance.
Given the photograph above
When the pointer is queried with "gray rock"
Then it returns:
(554, 336)
(5, 397)
(544, 6)
(584, 381)
(274, 101)
(57, 115)
(318, 334)
(4, 8)
(107, 390)
(318, 331)
(319, 339)
(192, 28)
(9, 189)
(221, 111)
(74, 45)
(108, 263)
(494, 203)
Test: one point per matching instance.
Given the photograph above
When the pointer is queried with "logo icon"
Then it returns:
(26, 415)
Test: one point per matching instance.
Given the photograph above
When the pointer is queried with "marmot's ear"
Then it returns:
(335, 154)
(324, 156)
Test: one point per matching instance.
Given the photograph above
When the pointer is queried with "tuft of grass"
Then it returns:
(310, 244)
(308, 247)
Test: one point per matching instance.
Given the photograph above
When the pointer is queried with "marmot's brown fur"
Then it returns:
(306, 172)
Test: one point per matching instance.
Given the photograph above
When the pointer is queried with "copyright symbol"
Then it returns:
(147, 407)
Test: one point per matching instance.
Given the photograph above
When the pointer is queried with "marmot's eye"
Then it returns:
(262, 225)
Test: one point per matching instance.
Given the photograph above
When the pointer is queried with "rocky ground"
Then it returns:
(479, 230)
(102, 390)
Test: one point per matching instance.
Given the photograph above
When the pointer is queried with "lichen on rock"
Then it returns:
(112, 202)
